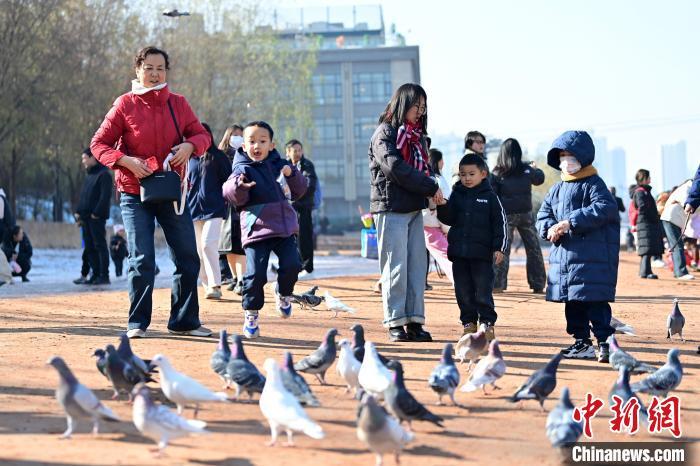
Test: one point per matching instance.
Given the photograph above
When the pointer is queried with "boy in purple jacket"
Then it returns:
(268, 221)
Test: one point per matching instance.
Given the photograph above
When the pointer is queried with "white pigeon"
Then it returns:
(181, 389)
(471, 346)
(348, 367)
(487, 371)
(335, 305)
(282, 409)
(374, 377)
(621, 327)
(159, 422)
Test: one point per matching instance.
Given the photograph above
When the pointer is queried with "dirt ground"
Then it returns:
(530, 331)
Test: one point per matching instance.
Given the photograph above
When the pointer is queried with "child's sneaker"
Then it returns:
(604, 353)
(284, 305)
(251, 329)
(490, 331)
(469, 328)
(581, 349)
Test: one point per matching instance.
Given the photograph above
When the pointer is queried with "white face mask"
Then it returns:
(569, 165)
(236, 142)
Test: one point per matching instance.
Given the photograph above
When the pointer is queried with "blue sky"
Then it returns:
(626, 70)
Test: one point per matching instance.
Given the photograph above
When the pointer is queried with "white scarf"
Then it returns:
(139, 89)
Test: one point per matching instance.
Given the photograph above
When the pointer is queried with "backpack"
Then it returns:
(633, 212)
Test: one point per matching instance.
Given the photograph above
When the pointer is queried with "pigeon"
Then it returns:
(665, 379)
(295, 383)
(445, 377)
(621, 327)
(318, 362)
(335, 305)
(622, 389)
(379, 431)
(308, 298)
(619, 358)
(675, 322)
(174, 13)
(182, 389)
(358, 344)
(220, 357)
(562, 430)
(77, 400)
(471, 346)
(242, 372)
(124, 351)
(540, 384)
(121, 373)
(374, 377)
(282, 409)
(402, 404)
(348, 367)
(487, 371)
(101, 361)
(159, 422)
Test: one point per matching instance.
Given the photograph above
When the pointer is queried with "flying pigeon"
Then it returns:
(159, 422)
(101, 361)
(622, 389)
(665, 379)
(374, 377)
(121, 373)
(348, 367)
(124, 351)
(335, 305)
(540, 384)
(295, 383)
(562, 430)
(445, 377)
(318, 362)
(381, 432)
(487, 371)
(471, 346)
(77, 400)
(621, 327)
(402, 404)
(358, 344)
(675, 322)
(242, 372)
(220, 358)
(282, 409)
(182, 389)
(308, 298)
(174, 13)
(619, 358)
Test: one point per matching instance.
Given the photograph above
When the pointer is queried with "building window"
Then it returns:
(327, 88)
(329, 131)
(364, 128)
(371, 87)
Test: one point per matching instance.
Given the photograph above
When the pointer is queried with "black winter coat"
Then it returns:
(515, 189)
(478, 221)
(649, 229)
(395, 185)
(96, 194)
(24, 251)
(306, 167)
(7, 221)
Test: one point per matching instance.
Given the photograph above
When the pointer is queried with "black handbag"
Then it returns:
(166, 186)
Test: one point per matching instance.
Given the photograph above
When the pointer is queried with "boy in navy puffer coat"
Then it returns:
(579, 216)
(268, 221)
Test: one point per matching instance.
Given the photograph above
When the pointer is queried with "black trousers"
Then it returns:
(583, 316)
(85, 268)
(306, 239)
(25, 264)
(474, 290)
(96, 246)
(645, 265)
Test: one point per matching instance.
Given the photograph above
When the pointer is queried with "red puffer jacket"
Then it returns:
(141, 126)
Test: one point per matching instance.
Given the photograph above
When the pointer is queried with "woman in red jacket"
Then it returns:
(134, 139)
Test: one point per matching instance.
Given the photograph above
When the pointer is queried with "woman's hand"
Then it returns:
(689, 209)
(243, 182)
(286, 170)
(438, 198)
(182, 154)
(498, 257)
(135, 165)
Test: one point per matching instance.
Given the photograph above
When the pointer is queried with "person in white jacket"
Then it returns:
(675, 225)
(436, 232)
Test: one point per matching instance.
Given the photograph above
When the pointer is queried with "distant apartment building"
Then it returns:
(358, 68)
(674, 165)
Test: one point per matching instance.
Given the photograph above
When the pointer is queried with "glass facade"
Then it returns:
(371, 87)
(327, 88)
(329, 131)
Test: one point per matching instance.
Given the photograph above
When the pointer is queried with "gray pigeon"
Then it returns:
(665, 379)
(121, 373)
(319, 361)
(101, 361)
(471, 346)
(77, 400)
(619, 358)
(675, 322)
(621, 327)
(540, 384)
(358, 344)
(242, 372)
(308, 298)
(445, 377)
(402, 404)
(142, 366)
(220, 358)
(295, 383)
(381, 432)
(622, 389)
(562, 430)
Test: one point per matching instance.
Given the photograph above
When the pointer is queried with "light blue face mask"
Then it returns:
(569, 164)
(236, 142)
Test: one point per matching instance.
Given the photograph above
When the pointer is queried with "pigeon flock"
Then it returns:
(377, 383)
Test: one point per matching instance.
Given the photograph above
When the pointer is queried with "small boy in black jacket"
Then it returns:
(477, 239)
(117, 249)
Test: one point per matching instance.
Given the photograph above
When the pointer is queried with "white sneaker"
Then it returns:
(305, 274)
(213, 293)
(579, 350)
(135, 333)
(284, 305)
(251, 329)
(657, 264)
(686, 277)
(197, 332)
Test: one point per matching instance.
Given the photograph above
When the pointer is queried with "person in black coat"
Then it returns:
(118, 250)
(304, 205)
(92, 213)
(649, 232)
(18, 248)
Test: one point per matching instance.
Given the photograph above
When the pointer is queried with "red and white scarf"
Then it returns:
(408, 141)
